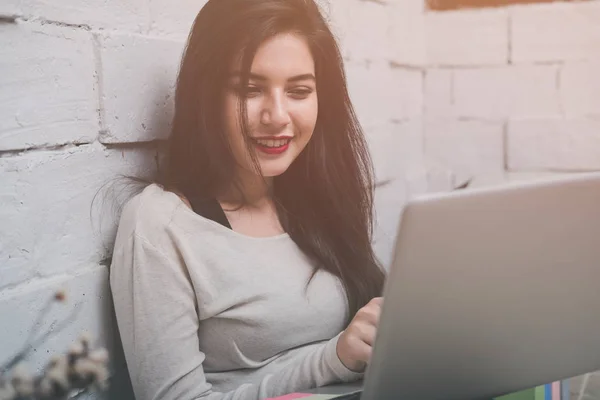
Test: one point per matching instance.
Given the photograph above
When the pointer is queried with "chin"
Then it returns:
(271, 171)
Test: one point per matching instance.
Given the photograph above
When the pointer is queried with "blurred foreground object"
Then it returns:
(81, 369)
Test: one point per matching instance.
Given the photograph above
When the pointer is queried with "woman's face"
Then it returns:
(281, 101)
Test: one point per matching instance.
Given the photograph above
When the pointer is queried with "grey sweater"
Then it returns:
(205, 312)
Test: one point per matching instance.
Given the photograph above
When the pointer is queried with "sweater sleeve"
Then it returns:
(156, 313)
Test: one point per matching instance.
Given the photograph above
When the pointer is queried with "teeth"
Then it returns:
(272, 143)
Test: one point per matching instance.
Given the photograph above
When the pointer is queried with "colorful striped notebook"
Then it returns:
(558, 390)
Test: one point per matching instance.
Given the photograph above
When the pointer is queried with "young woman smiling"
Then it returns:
(246, 271)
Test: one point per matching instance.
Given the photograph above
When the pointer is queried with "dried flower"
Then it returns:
(55, 380)
(22, 381)
(76, 349)
(86, 339)
(7, 391)
(82, 367)
(99, 356)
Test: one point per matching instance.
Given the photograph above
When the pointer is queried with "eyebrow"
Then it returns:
(296, 78)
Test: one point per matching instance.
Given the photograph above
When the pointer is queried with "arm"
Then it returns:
(158, 323)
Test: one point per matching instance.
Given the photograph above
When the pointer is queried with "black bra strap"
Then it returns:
(210, 209)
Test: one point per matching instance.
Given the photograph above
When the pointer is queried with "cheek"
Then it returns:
(304, 115)
(254, 107)
(308, 118)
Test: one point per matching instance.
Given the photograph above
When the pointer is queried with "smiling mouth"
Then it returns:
(274, 146)
(272, 143)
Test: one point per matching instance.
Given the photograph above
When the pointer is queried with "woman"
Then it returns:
(246, 271)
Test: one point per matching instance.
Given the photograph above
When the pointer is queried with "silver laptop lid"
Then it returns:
(491, 291)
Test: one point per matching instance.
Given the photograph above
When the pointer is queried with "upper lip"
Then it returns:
(272, 137)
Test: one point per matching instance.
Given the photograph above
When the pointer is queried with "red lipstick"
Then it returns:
(272, 150)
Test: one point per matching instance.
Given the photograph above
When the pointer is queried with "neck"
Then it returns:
(255, 191)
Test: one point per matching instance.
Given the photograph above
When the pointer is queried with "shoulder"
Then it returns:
(149, 213)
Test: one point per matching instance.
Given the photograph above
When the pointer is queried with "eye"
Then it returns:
(248, 91)
(251, 91)
(300, 93)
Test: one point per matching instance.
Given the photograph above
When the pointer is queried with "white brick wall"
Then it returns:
(580, 88)
(496, 95)
(122, 57)
(493, 93)
(43, 102)
(472, 149)
(86, 290)
(467, 38)
(131, 15)
(531, 68)
(554, 144)
(382, 93)
(350, 17)
(502, 92)
(173, 19)
(396, 148)
(47, 199)
(555, 32)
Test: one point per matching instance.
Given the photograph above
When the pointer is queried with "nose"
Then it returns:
(275, 112)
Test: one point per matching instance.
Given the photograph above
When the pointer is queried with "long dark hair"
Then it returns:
(325, 199)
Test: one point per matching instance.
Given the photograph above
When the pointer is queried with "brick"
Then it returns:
(438, 178)
(381, 93)
(580, 88)
(349, 19)
(406, 97)
(554, 144)
(396, 148)
(494, 93)
(131, 15)
(499, 93)
(470, 149)
(467, 38)
(167, 19)
(520, 177)
(407, 33)
(54, 232)
(405, 150)
(10, 8)
(48, 86)
(86, 291)
(407, 41)
(138, 84)
(438, 92)
(555, 32)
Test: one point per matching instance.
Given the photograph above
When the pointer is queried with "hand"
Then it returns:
(355, 344)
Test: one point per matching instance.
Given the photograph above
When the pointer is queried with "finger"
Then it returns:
(367, 333)
(369, 315)
(362, 351)
(377, 301)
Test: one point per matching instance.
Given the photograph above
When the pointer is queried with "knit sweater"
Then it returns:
(205, 312)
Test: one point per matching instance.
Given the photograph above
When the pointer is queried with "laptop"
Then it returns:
(491, 291)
